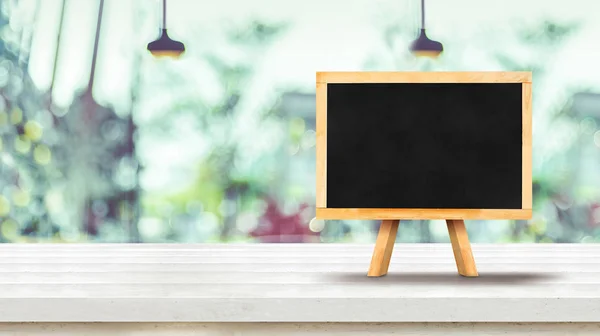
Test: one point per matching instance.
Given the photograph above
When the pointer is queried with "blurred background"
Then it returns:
(101, 142)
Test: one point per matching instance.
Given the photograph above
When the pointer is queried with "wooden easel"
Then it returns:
(386, 237)
(332, 110)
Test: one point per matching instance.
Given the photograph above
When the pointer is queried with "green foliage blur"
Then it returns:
(199, 154)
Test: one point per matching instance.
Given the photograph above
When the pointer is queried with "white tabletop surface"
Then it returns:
(296, 283)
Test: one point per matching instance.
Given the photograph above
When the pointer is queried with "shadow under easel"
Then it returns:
(492, 278)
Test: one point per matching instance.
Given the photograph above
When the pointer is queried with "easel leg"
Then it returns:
(383, 248)
(461, 248)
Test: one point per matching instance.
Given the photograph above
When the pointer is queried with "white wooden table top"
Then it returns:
(296, 283)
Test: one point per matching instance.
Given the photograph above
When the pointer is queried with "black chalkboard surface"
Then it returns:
(452, 142)
(424, 145)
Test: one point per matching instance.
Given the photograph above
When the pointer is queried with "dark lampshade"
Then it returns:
(425, 47)
(164, 46)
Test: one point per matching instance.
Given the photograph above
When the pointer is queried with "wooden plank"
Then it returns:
(282, 253)
(298, 310)
(321, 145)
(108, 250)
(424, 77)
(527, 147)
(306, 309)
(300, 329)
(375, 214)
(384, 246)
(358, 268)
(297, 329)
(367, 288)
(447, 275)
(461, 248)
(290, 258)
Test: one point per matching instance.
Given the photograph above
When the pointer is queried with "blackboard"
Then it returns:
(424, 145)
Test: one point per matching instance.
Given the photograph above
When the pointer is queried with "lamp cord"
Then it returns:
(422, 14)
(164, 14)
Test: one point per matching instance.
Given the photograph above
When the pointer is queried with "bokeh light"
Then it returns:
(597, 138)
(21, 198)
(33, 130)
(42, 154)
(16, 116)
(4, 206)
(316, 225)
(22, 144)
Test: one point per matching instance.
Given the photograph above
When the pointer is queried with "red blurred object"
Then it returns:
(594, 215)
(277, 227)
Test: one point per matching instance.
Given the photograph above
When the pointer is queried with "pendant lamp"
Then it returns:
(423, 46)
(164, 46)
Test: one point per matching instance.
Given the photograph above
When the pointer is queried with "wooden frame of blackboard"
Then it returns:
(324, 78)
